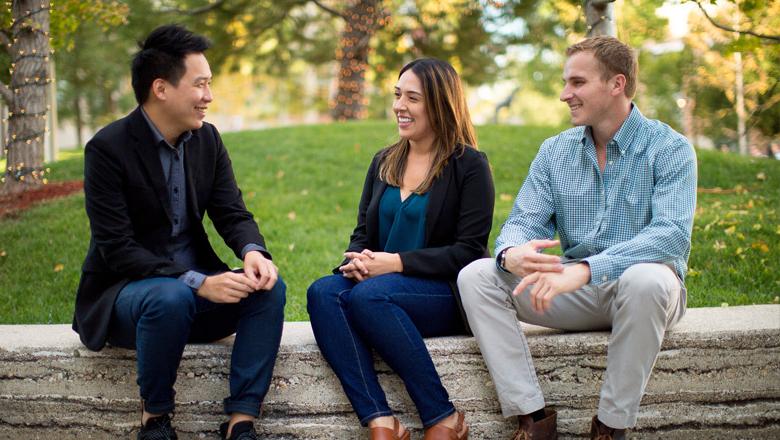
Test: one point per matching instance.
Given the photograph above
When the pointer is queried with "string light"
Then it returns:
(27, 124)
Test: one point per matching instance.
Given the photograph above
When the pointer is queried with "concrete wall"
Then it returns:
(716, 377)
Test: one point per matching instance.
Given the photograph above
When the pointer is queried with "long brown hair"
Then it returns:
(448, 116)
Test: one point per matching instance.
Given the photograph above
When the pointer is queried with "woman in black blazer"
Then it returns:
(425, 213)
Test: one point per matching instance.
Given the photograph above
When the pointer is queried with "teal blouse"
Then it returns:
(401, 223)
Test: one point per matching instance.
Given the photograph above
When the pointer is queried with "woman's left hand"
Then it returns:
(370, 264)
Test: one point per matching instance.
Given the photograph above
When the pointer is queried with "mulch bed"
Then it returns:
(12, 204)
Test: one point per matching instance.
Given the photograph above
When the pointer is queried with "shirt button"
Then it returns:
(610, 162)
(604, 278)
(175, 189)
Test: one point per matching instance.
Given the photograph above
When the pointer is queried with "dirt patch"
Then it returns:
(11, 204)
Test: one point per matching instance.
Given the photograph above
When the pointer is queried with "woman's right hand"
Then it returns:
(356, 268)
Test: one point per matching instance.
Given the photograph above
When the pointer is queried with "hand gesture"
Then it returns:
(366, 264)
(548, 285)
(226, 287)
(261, 271)
(526, 259)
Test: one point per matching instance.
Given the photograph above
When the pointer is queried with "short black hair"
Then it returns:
(161, 55)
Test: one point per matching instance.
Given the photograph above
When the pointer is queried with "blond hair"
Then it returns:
(614, 58)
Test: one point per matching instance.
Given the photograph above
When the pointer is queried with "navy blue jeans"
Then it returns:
(158, 316)
(390, 314)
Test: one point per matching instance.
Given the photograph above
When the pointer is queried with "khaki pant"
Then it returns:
(639, 307)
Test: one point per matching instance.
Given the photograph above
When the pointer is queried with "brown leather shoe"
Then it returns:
(441, 432)
(600, 431)
(545, 429)
(382, 433)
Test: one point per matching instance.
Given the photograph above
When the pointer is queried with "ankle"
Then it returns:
(382, 422)
(237, 418)
(538, 415)
(451, 421)
(146, 416)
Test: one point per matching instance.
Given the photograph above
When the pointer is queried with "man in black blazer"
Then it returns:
(151, 281)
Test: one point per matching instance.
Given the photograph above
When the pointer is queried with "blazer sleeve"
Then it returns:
(226, 208)
(109, 219)
(359, 239)
(474, 221)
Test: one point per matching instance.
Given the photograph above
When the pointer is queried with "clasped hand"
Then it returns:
(260, 273)
(367, 264)
(545, 273)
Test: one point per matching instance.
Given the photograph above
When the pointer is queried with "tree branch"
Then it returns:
(329, 10)
(194, 11)
(5, 92)
(775, 38)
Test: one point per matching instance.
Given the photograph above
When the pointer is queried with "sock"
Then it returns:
(538, 415)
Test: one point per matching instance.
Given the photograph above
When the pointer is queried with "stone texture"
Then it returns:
(716, 377)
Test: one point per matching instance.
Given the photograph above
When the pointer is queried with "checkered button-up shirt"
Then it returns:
(639, 209)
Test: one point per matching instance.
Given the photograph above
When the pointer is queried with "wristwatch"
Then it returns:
(501, 259)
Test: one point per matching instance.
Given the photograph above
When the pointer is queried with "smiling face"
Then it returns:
(411, 110)
(185, 103)
(590, 97)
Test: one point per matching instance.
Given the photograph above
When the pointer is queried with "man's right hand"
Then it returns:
(227, 287)
(526, 259)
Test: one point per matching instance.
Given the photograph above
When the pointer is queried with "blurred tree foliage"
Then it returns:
(515, 41)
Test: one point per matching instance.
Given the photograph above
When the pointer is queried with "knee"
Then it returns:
(647, 285)
(321, 294)
(364, 298)
(170, 299)
(277, 296)
(472, 276)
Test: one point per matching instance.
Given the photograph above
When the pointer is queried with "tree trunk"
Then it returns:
(78, 116)
(600, 17)
(363, 19)
(26, 97)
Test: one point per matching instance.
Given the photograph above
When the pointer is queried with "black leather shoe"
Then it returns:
(241, 431)
(158, 428)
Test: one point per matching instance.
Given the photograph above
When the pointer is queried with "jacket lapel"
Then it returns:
(191, 155)
(150, 158)
(436, 199)
(372, 213)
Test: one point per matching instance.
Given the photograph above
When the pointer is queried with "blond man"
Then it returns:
(620, 191)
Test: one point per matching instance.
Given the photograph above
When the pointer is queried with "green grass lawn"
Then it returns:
(303, 185)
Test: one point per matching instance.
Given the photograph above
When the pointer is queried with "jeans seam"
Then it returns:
(398, 320)
(440, 417)
(354, 348)
(364, 421)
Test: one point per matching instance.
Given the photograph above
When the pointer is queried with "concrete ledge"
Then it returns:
(717, 376)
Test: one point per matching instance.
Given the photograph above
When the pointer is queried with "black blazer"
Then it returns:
(457, 223)
(130, 215)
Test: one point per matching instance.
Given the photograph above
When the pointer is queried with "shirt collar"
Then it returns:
(158, 137)
(625, 134)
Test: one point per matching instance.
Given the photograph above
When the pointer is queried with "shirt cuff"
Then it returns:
(600, 270)
(192, 279)
(254, 247)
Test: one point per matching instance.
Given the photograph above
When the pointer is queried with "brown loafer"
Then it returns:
(382, 433)
(600, 431)
(441, 432)
(545, 429)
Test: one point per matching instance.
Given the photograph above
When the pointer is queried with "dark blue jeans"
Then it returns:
(391, 314)
(158, 316)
